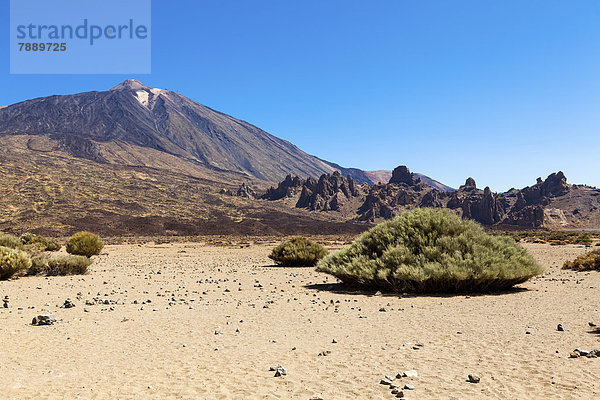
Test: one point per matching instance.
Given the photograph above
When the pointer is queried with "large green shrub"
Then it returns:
(10, 241)
(431, 250)
(298, 252)
(41, 242)
(586, 262)
(12, 261)
(84, 244)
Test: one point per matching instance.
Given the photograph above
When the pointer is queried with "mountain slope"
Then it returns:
(134, 114)
(119, 125)
(54, 193)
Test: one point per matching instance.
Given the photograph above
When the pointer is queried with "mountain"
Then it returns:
(132, 116)
(124, 124)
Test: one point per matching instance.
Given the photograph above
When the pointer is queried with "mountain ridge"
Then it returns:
(159, 119)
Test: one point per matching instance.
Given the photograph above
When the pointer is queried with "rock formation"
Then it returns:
(287, 188)
(530, 207)
(246, 191)
(401, 174)
(329, 193)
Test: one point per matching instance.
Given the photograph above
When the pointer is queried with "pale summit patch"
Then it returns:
(142, 97)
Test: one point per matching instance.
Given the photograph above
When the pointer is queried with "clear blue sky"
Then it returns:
(504, 91)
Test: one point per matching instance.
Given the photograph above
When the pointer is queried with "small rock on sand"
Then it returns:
(44, 319)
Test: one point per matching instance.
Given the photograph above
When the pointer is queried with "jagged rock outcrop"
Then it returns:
(469, 184)
(287, 188)
(476, 204)
(329, 193)
(402, 174)
(532, 206)
(246, 191)
(555, 185)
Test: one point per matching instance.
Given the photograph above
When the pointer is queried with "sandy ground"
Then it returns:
(212, 332)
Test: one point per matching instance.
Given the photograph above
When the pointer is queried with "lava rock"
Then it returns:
(44, 319)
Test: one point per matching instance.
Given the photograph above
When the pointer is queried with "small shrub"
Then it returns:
(298, 252)
(68, 265)
(10, 241)
(431, 250)
(586, 262)
(39, 264)
(12, 261)
(84, 244)
(62, 265)
(41, 242)
(582, 239)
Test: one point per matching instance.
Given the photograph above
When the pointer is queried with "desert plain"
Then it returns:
(200, 321)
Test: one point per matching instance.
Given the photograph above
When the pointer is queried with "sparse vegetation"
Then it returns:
(298, 252)
(10, 241)
(586, 262)
(12, 261)
(84, 244)
(43, 264)
(68, 265)
(556, 238)
(39, 264)
(431, 250)
(42, 242)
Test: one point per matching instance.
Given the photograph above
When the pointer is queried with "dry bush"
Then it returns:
(63, 265)
(10, 241)
(298, 252)
(84, 244)
(431, 250)
(586, 262)
(12, 261)
(41, 242)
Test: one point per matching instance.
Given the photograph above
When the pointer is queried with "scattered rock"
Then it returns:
(560, 328)
(472, 378)
(44, 319)
(280, 371)
(408, 386)
(387, 380)
(581, 352)
(408, 374)
(68, 304)
(594, 354)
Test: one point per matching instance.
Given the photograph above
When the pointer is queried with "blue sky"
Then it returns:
(503, 91)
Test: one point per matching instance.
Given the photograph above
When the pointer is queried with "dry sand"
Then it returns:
(191, 349)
